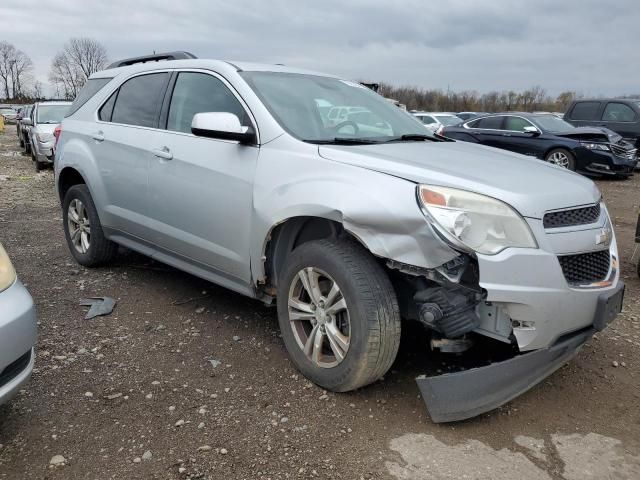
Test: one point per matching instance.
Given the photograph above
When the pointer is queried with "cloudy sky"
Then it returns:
(589, 46)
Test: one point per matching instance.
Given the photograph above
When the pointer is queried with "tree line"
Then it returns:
(70, 68)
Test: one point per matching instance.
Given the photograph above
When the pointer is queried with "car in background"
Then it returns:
(617, 114)
(469, 115)
(434, 120)
(9, 114)
(22, 129)
(43, 121)
(590, 151)
(17, 330)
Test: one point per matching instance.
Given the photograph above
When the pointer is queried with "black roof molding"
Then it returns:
(156, 57)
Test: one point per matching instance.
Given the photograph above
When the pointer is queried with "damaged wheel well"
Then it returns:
(67, 179)
(288, 235)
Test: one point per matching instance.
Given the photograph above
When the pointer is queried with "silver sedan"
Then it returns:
(17, 330)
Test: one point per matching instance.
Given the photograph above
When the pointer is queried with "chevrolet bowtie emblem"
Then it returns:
(604, 237)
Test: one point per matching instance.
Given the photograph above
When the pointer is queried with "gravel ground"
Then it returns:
(189, 380)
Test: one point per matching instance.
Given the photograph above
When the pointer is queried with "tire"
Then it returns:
(371, 314)
(39, 165)
(558, 155)
(100, 250)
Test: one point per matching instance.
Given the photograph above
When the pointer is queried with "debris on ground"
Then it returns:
(99, 306)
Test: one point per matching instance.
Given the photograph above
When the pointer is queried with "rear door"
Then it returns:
(489, 130)
(201, 189)
(121, 142)
(584, 114)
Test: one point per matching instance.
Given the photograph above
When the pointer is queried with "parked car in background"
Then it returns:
(227, 171)
(620, 115)
(9, 114)
(22, 129)
(590, 151)
(17, 331)
(469, 115)
(43, 121)
(433, 121)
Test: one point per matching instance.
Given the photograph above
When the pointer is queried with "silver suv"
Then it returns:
(234, 172)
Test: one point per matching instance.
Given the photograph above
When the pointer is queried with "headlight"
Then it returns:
(44, 137)
(475, 222)
(596, 146)
(7, 273)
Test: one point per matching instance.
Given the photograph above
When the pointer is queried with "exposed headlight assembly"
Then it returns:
(474, 222)
(596, 146)
(7, 273)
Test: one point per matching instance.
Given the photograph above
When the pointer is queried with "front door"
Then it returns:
(201, 189)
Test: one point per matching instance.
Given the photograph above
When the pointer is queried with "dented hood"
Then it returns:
(530, 185)
(592, 134)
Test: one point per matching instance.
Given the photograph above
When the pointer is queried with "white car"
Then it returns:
(433, 121)
(44, 119)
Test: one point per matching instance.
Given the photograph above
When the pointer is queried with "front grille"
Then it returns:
(585, 267)
(624, 152)
(14, 369)
(575, 216)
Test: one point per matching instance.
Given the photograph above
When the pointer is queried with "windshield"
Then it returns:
(51, 113)
(321, 109)
(449, 120)
(551, 123)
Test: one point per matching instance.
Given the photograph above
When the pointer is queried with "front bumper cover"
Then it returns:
(462, 395)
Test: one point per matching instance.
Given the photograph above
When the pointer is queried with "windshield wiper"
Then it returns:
(413, 137)
(343, 141)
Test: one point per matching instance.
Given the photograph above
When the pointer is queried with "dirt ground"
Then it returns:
(189, 380)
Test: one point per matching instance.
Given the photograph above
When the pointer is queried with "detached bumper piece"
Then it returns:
(458, 396)
(462, 395)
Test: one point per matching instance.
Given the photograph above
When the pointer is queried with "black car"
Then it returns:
(592, 151)
(620, 115)
(470, 115)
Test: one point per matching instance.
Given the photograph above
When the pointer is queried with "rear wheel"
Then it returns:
(338, 314)
(83, 230)
(562, 158)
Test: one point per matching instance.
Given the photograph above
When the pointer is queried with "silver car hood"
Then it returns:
(530, 185)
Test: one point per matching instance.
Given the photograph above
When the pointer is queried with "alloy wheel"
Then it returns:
(559, 158)
(79, 226)
(319, 317)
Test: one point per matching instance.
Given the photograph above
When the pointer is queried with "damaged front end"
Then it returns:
(452, 305)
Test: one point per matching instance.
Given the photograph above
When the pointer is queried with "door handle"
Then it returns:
(163, 153)
(98, 136)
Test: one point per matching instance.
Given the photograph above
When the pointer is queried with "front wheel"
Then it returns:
(338, 314)
(562, 158)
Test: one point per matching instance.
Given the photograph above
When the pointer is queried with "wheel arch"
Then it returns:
(67, 178)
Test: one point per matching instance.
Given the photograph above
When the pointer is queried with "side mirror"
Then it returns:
(27, 121)
(532, 130)
(222, 125)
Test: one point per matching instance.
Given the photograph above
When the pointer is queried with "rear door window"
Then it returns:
(488, 123)
(585, 111)
(139, 100)
(426, 119)
(196, 93)
(618, 112)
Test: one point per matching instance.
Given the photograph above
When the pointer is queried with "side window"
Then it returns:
(516, 124)
(139, 100)
(618, 112)
(199, 92)
(490, 123)
(585, 111)
(426, 119)
(106, 111)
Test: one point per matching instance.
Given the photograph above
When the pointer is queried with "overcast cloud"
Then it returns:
(585, 45)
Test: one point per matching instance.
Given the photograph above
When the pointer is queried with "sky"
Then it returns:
(588, 46)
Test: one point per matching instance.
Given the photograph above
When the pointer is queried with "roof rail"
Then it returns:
(156, 57)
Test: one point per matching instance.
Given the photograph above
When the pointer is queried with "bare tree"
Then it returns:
(15, 70)
(71, 67)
